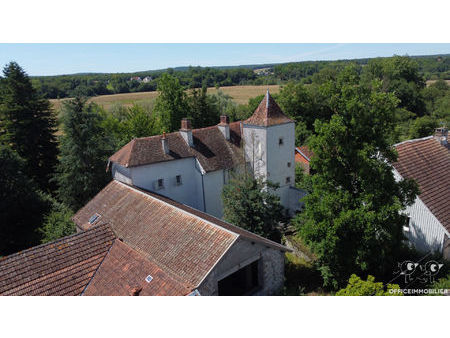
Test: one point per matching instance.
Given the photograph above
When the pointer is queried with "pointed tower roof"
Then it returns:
(268, 113)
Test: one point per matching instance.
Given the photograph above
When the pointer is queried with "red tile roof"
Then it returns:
(268, 113)
(211, 149)
(63, 267)
(304, 150)
(124, 271)
(428, 162)
(182, 241)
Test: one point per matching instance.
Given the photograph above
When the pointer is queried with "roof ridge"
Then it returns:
(413, 140)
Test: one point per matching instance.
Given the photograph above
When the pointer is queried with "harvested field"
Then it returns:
(240, 94)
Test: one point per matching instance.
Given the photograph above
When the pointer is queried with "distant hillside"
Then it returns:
(432, 67)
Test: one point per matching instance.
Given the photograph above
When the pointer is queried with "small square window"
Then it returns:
(280, 141)
(288, 179)
(289, 164)
(160, 183)
(178, 180)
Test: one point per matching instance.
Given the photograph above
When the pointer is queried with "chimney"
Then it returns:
(224, 126)
(441, 135)
(165, 143)
(186, 132)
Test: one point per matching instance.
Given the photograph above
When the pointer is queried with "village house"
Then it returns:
(191, 166)
(427, 161)
(133, 242)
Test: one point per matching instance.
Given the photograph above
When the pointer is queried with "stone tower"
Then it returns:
(269, 145)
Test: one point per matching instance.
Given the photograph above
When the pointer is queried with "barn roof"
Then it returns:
(268, 113)
(183, 241)
(428, 163)
(62, 267)
(211, 149)
(125, 272)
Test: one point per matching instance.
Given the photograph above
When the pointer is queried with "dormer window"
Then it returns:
(280, 141)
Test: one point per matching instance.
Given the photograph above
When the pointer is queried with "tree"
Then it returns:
(85, 148)
(28, 125)
(423, 126)
(138, 123)
(353, 217)
(170, 105)
(202, 109)
(57, 223)
(21, 204)
(251, 203)
(358, 287)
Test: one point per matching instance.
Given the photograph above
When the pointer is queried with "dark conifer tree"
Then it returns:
(28, 125)
(85, 148)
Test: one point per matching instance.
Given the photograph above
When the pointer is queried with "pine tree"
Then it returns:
(28, 125)
(22, 206)
(85, 148)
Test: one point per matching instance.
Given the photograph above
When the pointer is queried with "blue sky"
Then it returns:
(54, 59)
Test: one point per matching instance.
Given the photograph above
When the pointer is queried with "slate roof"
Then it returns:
(428, 162)
(124, 271)
(182, 241)
(211, 149)
(63, 267)
(268, 113)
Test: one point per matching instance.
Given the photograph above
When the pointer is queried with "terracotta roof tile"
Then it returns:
(182, 241)
(306, 151)
(211, 149)
(62, 267)
(268, 113)
(124, 270)
(428, 162)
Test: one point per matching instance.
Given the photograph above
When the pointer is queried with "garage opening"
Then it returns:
(245, 281)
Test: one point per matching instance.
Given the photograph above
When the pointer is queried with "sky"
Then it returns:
(58, 58)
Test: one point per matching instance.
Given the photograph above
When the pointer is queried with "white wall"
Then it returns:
(189, 192)
(255, 149)
(270, 159)
(426, 233)
(213, 183)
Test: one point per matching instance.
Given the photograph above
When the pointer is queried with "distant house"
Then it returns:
(192, 166)
(302, 157)
(136, 78)
(147, 79)
(132, 242)
(427, 161)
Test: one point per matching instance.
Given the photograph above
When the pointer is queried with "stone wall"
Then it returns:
(241, 254)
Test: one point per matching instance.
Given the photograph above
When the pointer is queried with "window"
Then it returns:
(288, 180)
(160, 183)
(289, 164)
(178, 180)
(93, 218)
(280, 141)
(407, 224)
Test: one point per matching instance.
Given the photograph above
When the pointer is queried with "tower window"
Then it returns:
(289, 164)
(160, 183)
(178, 180)
(288, 180)
(280, 141)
